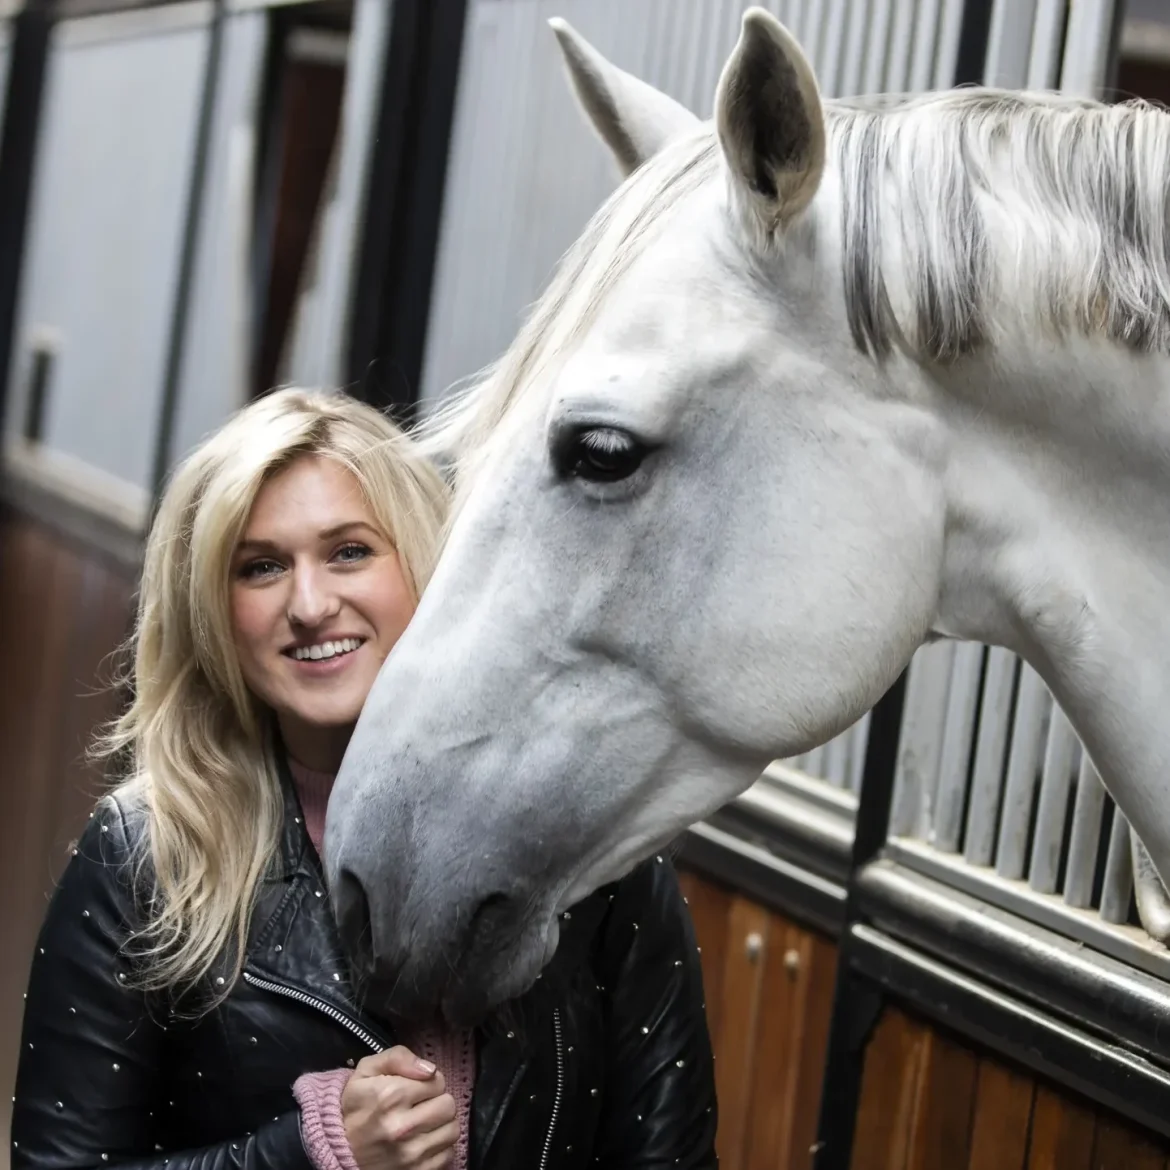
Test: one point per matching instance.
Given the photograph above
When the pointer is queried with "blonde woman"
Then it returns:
(188, 1004)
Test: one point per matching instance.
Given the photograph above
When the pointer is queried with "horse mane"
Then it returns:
(1056, 205)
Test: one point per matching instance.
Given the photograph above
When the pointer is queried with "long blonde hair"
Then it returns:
(202, 771)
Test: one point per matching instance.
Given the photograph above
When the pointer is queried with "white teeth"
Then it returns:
(326, 649)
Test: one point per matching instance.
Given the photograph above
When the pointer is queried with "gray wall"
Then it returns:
(108, 199)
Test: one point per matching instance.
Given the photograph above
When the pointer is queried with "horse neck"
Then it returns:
(1058, 484)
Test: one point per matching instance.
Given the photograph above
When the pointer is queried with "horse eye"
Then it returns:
(600, 455)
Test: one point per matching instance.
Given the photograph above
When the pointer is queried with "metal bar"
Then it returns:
(950, 38)
(814, 762)
(1047, 43)
(19, 134)
(878, 46)
(920, 750)
(987, 774)
(815, 33)
(837, 760)
(971, 51)
(897, 76)
(849, 80)
(1045, 911)
(1032, 705)
(1010, 43)
(403, 204)
(188, 258)
(1108, 1074)
(833, 47)
(852, 1012)
(857, 760)
(1117, 883)
(958, 733)
(1001, 949)
(1087, 47)
(1059, 760)
(758, 873)
(1086, 836)
(926, 28)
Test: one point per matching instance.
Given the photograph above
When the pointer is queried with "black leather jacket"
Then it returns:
(606, 1062)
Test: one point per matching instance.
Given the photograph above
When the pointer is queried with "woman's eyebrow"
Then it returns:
(257, 544)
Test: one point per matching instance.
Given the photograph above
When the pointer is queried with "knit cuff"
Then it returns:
(322, 1127)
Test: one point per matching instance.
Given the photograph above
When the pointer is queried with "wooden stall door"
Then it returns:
(929, 1102)
(769, 986)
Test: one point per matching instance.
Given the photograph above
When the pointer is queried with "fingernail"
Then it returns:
(426, 1066)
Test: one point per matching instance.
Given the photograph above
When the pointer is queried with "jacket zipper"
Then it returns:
(556, 1109)
(301, 997)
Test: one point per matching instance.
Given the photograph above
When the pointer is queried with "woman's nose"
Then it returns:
(313, 601)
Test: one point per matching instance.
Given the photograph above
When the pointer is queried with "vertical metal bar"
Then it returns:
(858, 749)
(1059, 759)
(1087, 47)
(971, 54)
(816, 34)
(1117, 885)
(987, 778)
(1086, 836)
(951, 38)
(814, 762)
(1032, 705)
(849, 80)
(925, 46)
(837, 760)
(1010, 43)
(856, 1003)
(897, 76)
(1047, 39)
(958, 733)
(920, 752)
(878, 46)
(188, 256)
(403, 203)
(23, 106)
(833, 47)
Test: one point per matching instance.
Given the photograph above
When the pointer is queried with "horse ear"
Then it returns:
(770, 121)
(634, 119)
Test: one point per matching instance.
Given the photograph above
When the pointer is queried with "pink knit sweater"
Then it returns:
(319, 1094)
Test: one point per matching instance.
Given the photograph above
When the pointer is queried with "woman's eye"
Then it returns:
(600, 455)
(260, 568)
(350, 553)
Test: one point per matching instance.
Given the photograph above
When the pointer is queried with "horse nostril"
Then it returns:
(353, 919)
(487, 919)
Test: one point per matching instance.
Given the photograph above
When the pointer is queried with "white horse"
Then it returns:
(820, 381)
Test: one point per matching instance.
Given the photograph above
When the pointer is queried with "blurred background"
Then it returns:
(204, 198)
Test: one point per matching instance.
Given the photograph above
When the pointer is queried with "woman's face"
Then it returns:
(318, 599)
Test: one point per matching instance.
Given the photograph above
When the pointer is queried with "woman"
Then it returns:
(188, 1004)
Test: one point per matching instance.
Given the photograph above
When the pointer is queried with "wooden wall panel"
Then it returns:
(1062, 1133)
(930, 1102)
(1003, 1111)
(769, 985)
(63, 611)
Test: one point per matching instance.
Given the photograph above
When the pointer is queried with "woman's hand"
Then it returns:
(398, 1114)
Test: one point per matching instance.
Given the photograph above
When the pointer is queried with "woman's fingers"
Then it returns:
(398, 1061)
(430, 1149)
